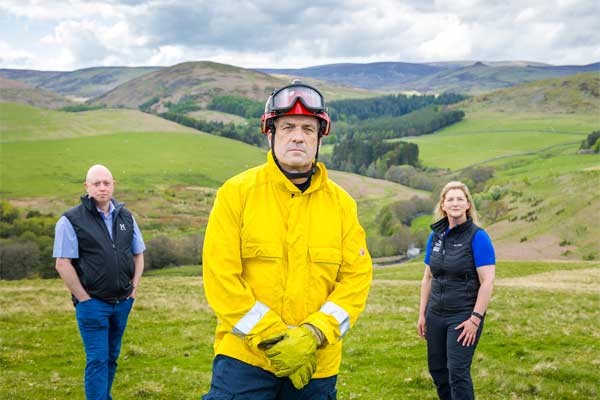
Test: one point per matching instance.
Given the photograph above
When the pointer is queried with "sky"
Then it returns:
(71, 34)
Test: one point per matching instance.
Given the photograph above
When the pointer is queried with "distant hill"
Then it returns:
(472, 78)
(572, 94)
(480, 78)
(83, 83)
(380, 75)
(12, 91)
(201, 81)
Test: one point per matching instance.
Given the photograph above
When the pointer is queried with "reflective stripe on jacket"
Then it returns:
(275, 258)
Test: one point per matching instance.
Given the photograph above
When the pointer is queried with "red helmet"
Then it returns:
(296, 99)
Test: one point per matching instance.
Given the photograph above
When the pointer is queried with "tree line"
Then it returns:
(247, 133)
(387, 106)
(355, 155)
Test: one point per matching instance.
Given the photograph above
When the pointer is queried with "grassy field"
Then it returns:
(139, 160)
(218, 116)
(20, 122)
(528, 351)
(483, 136)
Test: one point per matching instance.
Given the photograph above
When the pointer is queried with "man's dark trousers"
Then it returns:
(101, 326)
(449, 361)
(234, 379)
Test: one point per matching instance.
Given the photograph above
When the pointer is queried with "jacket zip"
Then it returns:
(116, 260)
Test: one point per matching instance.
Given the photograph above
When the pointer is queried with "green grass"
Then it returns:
(537, 343)
(20, 122)
(218, 116)
(483, 136)
(138, 161)
(184, 270)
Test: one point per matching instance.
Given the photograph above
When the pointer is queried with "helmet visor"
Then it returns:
(285, 98)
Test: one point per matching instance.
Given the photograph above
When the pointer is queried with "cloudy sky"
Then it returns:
(67, 35)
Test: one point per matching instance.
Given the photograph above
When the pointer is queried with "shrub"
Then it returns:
(163, 251)
(159, 253)
(19, 259)
(591, 141)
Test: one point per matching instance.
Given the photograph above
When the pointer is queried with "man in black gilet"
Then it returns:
(99, 254)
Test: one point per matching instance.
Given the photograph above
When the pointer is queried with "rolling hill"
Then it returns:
(530, 135)
(480, 78)
(18, 92)
(201, 81)
(166, 172)
(473, 78)
(198, 80)
(381, 75)
(571, 94)
(83, 83)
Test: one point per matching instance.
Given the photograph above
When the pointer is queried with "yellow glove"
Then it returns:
(268, 342)
(294, 351)
(302, 375)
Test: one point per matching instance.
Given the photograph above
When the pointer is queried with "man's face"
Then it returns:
(296, 141)
(100, 185)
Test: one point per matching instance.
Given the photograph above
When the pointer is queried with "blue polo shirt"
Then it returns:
(483, 250)
(66, 244)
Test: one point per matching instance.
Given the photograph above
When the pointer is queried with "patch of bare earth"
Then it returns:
(44, 204)
(583, 280)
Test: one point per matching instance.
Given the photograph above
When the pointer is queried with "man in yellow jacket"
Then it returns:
(285, 263)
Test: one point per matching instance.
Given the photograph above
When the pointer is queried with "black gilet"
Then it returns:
(455, 283)
(105, 266)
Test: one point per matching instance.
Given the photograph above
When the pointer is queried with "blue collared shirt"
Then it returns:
(66, 244)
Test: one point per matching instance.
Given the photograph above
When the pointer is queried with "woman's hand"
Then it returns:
(421, 330)
(469, 331)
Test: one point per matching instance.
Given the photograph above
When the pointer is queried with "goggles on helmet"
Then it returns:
(283, 100)
(296, 99)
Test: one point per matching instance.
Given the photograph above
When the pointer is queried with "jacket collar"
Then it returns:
(318, 180)
(90, 204)
(442, 225)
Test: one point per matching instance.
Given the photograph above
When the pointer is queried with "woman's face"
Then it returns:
(456, 204)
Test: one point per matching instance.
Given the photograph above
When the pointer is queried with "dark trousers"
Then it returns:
(234, 379)
(449, 361)
(101, 326)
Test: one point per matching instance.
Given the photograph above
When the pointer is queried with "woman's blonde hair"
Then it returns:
(471, 212)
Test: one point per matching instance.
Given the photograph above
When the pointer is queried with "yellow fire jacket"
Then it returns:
(275, 258)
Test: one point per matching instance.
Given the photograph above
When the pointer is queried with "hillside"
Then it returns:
(473, 78)
(381, 75)
(480, 78)
(20, 122)
(552, 204)
(83, 83)
(30, 76)
(201, 81)
(572, 94)
(18, 92)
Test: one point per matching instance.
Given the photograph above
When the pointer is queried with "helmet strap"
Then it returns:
(292, 175)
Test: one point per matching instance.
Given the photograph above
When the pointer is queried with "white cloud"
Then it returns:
(168, 55)
(260, 33)
(453, 42)
(13, 58)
